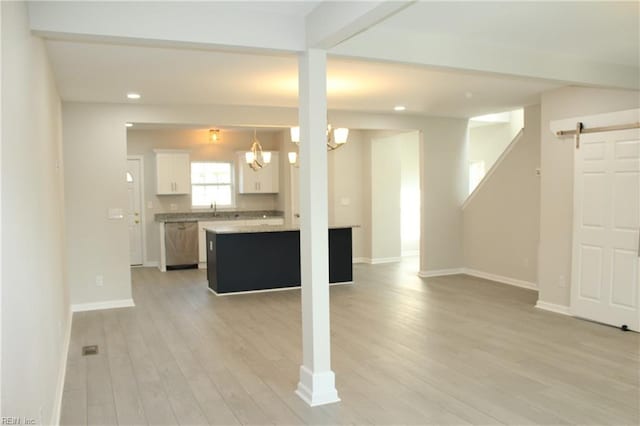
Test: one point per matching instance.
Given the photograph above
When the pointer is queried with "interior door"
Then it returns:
(605, 279)
(134, 191)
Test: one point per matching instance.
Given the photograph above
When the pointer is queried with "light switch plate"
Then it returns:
(115, 213)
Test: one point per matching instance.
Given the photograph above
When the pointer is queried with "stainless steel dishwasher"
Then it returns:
(181, 242)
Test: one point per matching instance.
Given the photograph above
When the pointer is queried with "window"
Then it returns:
(211, 183)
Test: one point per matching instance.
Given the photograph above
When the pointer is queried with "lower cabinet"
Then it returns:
(202, 233)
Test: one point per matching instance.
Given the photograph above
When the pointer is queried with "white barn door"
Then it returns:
(606, 242)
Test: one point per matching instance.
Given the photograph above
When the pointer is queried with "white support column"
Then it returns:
(317, 381)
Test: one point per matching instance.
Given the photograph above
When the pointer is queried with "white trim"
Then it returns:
(440, 272)
(317, 388)
(360, 260)
(501, 279)
(62, 372)
(151, 264)
(494, 167)
(380, 260)
(143, 207)
(268, 290)
(110, 304)
(552, 307)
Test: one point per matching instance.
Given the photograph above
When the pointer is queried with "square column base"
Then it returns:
(317, 388)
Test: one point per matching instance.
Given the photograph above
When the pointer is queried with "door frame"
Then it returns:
(143, 208)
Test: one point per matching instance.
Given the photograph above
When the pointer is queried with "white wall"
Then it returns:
(95, 163)
(35, 301)
(346, 189)
(385, 199)
(143, 142)
(488, 141)
(444, 185)
(556, 200)
(502, 220)
(95, 153)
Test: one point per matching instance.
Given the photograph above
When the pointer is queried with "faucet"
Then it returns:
(214, 206)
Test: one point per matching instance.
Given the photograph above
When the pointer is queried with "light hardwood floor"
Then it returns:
(405, 350)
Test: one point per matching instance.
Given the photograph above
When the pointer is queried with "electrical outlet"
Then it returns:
(562, 281)
(173, 207)
(99, 280)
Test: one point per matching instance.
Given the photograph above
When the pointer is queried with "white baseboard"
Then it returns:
(380, 260)
(361, 260)
(110, 304)
(552, 307)
(151, 264)
(62, 372)
(440, 272)
(501, 279)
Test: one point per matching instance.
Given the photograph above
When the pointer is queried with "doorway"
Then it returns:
(134, 210)
(395, 197)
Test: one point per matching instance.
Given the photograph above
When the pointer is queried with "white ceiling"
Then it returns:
(595, 32)
(92, 72)
(605, 31)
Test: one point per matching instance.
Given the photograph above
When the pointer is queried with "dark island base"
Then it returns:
(269, 260)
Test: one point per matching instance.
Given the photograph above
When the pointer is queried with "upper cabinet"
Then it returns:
(261, 181)
(173, 172)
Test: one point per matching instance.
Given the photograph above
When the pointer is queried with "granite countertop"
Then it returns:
(266, 228)
(221, 216)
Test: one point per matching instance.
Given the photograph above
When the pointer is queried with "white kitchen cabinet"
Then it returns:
(173, 172)
(263, 181)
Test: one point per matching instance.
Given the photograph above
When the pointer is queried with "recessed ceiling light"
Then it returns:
(129, 124)
(133, 95)
(399, 108)
(468, 95)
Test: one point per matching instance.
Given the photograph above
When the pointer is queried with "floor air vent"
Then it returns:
(90, 350)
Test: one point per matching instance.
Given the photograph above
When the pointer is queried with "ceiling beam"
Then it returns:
(331, 23)
(446, 52)
(190, 24)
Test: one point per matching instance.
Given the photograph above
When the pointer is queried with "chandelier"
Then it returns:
(256, 158)
(336, 138)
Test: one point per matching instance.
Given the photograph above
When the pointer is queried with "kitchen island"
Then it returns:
(268, 258)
